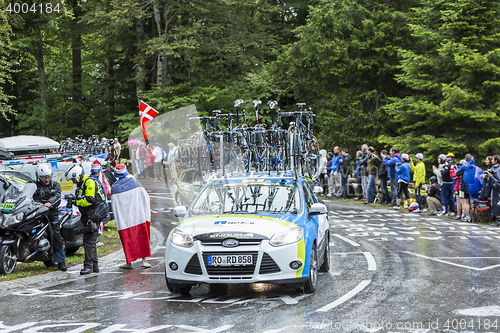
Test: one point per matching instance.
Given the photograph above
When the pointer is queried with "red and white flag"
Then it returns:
(131, 208)
(147, 113)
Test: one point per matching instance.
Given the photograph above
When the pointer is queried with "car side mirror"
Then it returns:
(317, 209)
(318, 190)
(180, 211)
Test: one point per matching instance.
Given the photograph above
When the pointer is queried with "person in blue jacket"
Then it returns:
(391, 172)
(403, 174)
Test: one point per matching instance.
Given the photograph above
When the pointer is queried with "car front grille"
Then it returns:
(230, 271)
(268, 265)
(193, 266)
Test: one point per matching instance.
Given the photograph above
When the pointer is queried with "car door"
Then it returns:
(322, 219)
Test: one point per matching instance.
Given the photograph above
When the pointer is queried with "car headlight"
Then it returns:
(287, 237)
(181, 239)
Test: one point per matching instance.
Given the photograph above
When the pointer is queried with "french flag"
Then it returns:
(131, 207)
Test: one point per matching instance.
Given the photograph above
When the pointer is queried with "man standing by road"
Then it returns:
(118, 150)
(446, 188)
(49, 194)
(158, 158)
(91, 202)
(363, 165)
(391, 164)
(171, 161)
(335, 174)
(419, 179)
(372, 170)
(131, 207)
(344, 170)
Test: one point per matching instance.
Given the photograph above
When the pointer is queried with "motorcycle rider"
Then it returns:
(49, 194)
(90, 200)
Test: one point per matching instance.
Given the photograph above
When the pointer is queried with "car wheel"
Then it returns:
(178, 199)
(325, 267)
(312, 282)
(176, 288)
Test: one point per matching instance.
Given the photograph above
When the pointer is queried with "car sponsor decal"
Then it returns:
(301, 255)
(284, 223)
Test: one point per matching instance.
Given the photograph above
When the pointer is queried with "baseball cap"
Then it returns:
(420, 156)
(405, 156)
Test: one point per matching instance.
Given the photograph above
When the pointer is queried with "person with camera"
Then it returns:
(403, 174)
(493, 179)
(373, 165)
(447, 186)
(383, 176)
(49, 194)
(434, 196)
(391, 162)
(91, 202)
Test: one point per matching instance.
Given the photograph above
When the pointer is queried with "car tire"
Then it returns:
(176, 288)
(312, 282)
(325, 266)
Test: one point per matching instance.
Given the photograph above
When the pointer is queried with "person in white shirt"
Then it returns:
(171, 161)
(158, 157)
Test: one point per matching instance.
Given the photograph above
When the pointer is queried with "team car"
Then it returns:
(252, 228)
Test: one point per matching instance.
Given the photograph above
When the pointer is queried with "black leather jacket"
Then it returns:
(49, 193)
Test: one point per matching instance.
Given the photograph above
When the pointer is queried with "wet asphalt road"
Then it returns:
(391, 272)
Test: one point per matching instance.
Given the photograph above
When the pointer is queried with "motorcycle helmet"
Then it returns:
(43, 170)
(75, 172)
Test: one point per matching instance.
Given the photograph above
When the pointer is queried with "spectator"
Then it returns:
(485, 192)
(323, 172)
(437, 170)
(357, 174)
(419, 179)
(493, 174)
(344, 170)
(383, 176)
(171, 161)
(328, 173)
(446, 188)
(118, 150)
(335, 174)
(403, 174)
(465, 168)
(131, 207)
(157, 166)
(364, 166)
(373, 170)
(150, 162)
(391, 164)
(434, 196)
(140, 155)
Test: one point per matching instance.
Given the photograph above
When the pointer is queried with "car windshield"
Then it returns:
(246, 198)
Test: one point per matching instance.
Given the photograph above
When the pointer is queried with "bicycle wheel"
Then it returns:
(312, 158)
(205, 159)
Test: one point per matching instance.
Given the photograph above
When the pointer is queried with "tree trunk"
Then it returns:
(140, 66)
(38, 53)
(161, 63)
(76, 45)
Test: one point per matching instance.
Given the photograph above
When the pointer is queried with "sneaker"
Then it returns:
(451, 214)
(418, 210)
(433, 213)
(441, 214)
(457, 217)
(424, 210)
(465, 219)
(397, 207)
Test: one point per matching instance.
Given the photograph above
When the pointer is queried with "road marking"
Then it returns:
(346, 240)
(452, 263)
(372, 264)
(197, 329)
(362, 285)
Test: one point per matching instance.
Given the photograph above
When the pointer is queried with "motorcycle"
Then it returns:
(24, 229)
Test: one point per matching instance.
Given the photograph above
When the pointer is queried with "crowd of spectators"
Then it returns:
(391, 178)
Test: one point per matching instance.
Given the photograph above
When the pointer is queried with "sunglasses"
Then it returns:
(45, 177)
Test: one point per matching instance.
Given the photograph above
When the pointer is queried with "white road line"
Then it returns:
(372, 264)
(452, 263)
(362, 285)
(346, 240)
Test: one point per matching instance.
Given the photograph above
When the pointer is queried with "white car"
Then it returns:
(250, 229)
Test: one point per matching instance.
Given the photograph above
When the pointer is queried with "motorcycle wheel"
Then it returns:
(8, 259)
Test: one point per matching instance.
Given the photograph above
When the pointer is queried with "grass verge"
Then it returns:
(111, 243)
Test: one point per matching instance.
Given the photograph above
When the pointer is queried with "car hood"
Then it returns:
(238, 226)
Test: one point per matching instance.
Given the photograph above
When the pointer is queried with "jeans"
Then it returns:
(56, 240)
(394, 190)
(419, 198)
(447, 197)
(371, 188)
(90, 248)
(345, 186)
(383, 188)
(364, 184)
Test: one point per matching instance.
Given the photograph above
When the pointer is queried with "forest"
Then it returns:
(421, 75)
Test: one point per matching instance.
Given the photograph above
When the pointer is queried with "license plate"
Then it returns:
(230, 260)
(6, 206)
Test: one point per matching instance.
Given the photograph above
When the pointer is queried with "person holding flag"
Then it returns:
(131, 208)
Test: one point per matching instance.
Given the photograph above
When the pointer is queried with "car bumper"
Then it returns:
(270, 264)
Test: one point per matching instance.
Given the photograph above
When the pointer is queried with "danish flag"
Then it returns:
(147, 113)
